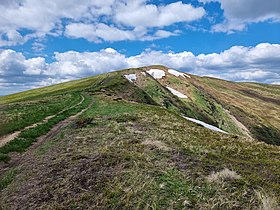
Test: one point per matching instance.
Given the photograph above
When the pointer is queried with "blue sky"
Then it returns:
(51, 41)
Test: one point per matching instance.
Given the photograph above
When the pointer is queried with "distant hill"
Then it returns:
(141, 138)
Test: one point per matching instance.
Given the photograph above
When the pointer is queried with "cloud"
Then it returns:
(102, 32)
(11, 63)
(98, 32)
(80, 30)
(75, 64)
(35, 66)
(18, 73)
(239, 13)
(94, 20)
(260, 63)
(119, 20)
(137, 13)
(11, 38)
(38, 47)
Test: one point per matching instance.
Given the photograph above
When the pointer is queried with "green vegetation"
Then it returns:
(132, 149)
(266, 133)
(7, 178)
(27, 137)
(117, 86)
(4, 157)
(63, 88)
(124, 157)
(213, 113)
(161, 96)
(255, 106)
(19, 115)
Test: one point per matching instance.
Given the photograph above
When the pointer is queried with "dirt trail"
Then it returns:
(55, 130)
(242, 127)
(7, 138)
(17, 158)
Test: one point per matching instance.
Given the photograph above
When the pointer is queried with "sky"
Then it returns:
(51, 41)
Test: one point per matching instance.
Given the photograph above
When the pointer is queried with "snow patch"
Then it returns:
(156, 73)
(176, 93)
(211, 127)
(177, 73)
(130, 77)
(144, 73)
(187, 76)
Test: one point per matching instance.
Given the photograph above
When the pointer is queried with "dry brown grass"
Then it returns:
(268, 202)
(222, 176)
(158, 144)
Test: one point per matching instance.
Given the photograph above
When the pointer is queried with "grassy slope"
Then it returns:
(72, 86)
(257, 106)
(120, 155)
(18, 115)
(127, 151)
(201, 104)
(24, 109)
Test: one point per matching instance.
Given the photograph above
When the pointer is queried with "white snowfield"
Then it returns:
(156, 73)
(177, 73)
(130, 77)
(176, 93)
(211, 127)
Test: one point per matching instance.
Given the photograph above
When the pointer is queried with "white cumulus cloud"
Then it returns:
(259, 63)
(94, 20)
(137, 13)
(239, 13)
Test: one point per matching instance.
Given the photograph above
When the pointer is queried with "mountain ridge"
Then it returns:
(208, 92)
(131, 147)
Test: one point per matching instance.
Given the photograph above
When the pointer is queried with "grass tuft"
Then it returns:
(4, 157)
(268, 202)
(222, 176)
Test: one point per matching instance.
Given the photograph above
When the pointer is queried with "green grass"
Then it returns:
(101, 108)
(27, 137)
(254, 105)
(67, 87)
(19, 115)
(266, 133)
(163, 97)
(116, 85)
(106, 163)
(202, 150)
(208, 110)
(4, 158)
(175, 80)
(46, 146)
(7, 178)
(155, 92)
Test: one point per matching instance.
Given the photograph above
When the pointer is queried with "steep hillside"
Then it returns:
(145, 138)
(245, 109)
